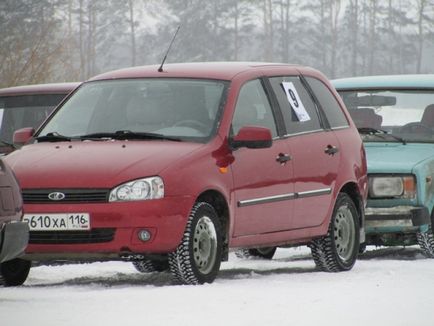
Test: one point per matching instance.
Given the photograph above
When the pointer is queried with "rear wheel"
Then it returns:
(198, 256)
(338, 250)
(266, 252)
(14, 272)
(426, 242)
(151, 266)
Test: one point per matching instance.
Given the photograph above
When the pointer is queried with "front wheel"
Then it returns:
(14, 272)
(338, 250)
(197, 258)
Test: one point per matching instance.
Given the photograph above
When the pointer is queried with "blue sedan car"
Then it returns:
(395, 117)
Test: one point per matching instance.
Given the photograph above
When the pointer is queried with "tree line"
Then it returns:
(69, 40)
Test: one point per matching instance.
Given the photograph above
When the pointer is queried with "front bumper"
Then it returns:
(14, 237)
(400, 219)
(164, 218)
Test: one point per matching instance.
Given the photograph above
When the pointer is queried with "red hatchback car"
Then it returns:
(172, 168)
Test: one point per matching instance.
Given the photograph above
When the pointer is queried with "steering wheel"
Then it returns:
(192, 124)
(416, 127)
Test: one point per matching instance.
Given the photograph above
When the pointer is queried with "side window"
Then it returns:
(331, 107)
(298, 109)
(253, 108)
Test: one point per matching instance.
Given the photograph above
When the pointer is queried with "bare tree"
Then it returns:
(354, 12)
(132, 32)
(268, 30)
(335, 8)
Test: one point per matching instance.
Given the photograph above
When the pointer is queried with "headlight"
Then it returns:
(392, 187)
(140, 189)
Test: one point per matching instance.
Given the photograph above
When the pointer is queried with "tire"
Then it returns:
(14, 272)
(197, 258)
(426, 242)
(362, 248)
(151, 266)
(338, 250)
(266, 252)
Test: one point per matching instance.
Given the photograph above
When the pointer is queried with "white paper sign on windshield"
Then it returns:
(295, 101)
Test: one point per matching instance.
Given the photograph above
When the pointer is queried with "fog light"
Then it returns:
(144, 235)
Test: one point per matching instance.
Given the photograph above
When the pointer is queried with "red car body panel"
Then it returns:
(190, 170)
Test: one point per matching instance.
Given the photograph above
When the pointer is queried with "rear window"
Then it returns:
(329, 104)
(298, 109)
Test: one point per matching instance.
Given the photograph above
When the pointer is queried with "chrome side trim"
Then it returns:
(271, 199)
(319, 192)
(291, 196)
(341, 127)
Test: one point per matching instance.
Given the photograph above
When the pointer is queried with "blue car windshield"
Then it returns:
(396, 114)
(148, 108)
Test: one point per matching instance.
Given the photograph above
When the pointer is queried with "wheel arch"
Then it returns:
(352, 190)
(218, 201)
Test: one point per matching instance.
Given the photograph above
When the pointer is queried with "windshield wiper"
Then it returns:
(380, 133)
(128, 134)
(369, 130)
(53, 137)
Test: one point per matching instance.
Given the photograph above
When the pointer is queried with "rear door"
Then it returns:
(263, 186)
(313, 148)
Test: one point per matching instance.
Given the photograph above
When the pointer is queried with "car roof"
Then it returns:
(421, 81)
(209, 70)
(52, 88)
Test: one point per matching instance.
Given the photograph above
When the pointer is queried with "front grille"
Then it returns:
(70, 195)
(72, 237)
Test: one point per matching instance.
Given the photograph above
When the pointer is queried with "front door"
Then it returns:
(262, 179)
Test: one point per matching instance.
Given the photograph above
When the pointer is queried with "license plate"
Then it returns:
(58, 222)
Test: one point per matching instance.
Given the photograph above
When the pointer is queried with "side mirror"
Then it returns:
(22, 136)
(252, 137)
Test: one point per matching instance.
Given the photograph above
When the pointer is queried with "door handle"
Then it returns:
(283, 158)
(331, 150)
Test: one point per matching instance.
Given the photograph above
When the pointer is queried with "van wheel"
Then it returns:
(151, 266)
(266, 252)
(426, 242)
(338, 250)
(198, 256)
(14, 272)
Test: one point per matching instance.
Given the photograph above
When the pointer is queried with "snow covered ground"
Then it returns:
(390, 286)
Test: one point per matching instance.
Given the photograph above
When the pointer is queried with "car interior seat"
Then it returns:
(144, 114)
(366, 118)
(428, 116)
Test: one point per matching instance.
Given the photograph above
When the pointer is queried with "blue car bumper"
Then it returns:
(401, 219)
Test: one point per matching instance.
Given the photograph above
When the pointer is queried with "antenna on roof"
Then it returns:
(165, 56)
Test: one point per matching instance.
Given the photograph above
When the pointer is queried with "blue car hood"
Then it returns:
(396, 157)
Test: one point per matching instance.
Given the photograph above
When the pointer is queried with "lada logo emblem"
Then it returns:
(56, 196)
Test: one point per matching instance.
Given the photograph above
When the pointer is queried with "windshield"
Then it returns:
(187, 109)
(18, 112)
(406, 114)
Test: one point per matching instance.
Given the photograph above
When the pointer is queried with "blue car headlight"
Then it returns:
(392, 187)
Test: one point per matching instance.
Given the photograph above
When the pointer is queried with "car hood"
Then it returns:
(93, 164)
(396, 157)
